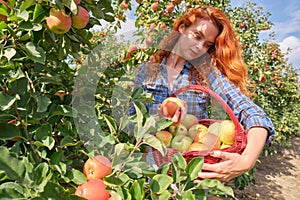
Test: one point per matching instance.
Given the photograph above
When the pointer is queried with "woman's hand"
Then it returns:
(234, 164)
(179, 114)
(231, 166)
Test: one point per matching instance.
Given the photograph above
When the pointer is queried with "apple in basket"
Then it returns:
(227, 132)
(181, 142)
(189, 121)
(165, 137)
(177, 130)
(197, 146)
(196, 131)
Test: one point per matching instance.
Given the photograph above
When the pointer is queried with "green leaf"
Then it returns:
(9, 53)
(7, 101)
(38, 11)
(56, 157)
(137, 189)
(19, 86)
(43, 131)
(179, 161)
(76, 176)
(163, 124)
(112, 125)
(40, 173)
(163, 196)
(152, 141)
(194, 167)
(113, 180)
(26, 4)
(49, 142)
(188, 195)
(160, 183)
(13, 167)
(215, 185)
(11, 190)
(64, 110)
(42, 103)
(9, 131)
(54, 191)
(164, 168)
(36, 53)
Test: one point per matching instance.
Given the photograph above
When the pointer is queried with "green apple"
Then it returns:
(181, 142)
(165, 137)
(179, 129)
(214, 128)
(197, 128)
(81, 19)
(58, 22)
(189, 121)
(227, 132)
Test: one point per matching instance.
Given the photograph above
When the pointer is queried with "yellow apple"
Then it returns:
(227, 132)
(165, 137)
(197, 146)
(214, 128)
(197, 128)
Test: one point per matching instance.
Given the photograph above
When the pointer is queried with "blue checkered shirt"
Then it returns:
(247, 112)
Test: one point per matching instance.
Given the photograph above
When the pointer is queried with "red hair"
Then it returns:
(226, 54)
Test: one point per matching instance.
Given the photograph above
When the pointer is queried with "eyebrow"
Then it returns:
(202, 35)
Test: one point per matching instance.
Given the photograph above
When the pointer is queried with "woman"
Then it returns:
(202, 49)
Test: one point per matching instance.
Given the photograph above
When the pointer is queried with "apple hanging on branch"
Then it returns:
(81, 19)
(58, 21)
(97, 167)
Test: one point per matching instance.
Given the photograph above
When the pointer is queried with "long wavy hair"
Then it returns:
(226, 54)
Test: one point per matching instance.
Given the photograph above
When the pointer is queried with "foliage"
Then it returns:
(65, 97)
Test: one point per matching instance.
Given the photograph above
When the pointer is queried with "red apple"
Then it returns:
(93, 189)
(155, 6)
(124, 5)
(227, 132)
(81, 19)
(189, 121)
(170, 106)
(4, 17)
(77, 2)
(58, 22)
(181, 142)
(165, 137)
(97, 167)
(170, 7)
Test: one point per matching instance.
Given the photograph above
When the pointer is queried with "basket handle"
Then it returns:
(238, 127)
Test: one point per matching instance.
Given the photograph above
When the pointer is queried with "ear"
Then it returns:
(181, 28)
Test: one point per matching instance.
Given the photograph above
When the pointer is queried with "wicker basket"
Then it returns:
(240, 134)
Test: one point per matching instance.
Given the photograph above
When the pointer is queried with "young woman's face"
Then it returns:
(196, 39)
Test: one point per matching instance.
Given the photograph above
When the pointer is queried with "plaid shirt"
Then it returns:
(248, 113)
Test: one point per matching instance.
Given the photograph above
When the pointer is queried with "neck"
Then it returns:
(175, 61)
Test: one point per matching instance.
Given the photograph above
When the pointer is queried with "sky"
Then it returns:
(285, 16)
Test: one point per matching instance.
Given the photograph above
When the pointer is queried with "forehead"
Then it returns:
(206, 27)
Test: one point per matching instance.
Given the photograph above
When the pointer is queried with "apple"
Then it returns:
(165, 137)
(200, 135)
(197, 146)
(212, 141)
(189, 121)
(124, 5)
(223, 146)
(155, 6)
(197, 128)
(4, 17)
(170, 105)
(93, 189)
(227, 132)
(77, 2)
(97, 167)
(58, 22)
(170, 7)
(181, 142)
(81, 19)
(214, 128)
(178, 129)
(60, 94)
